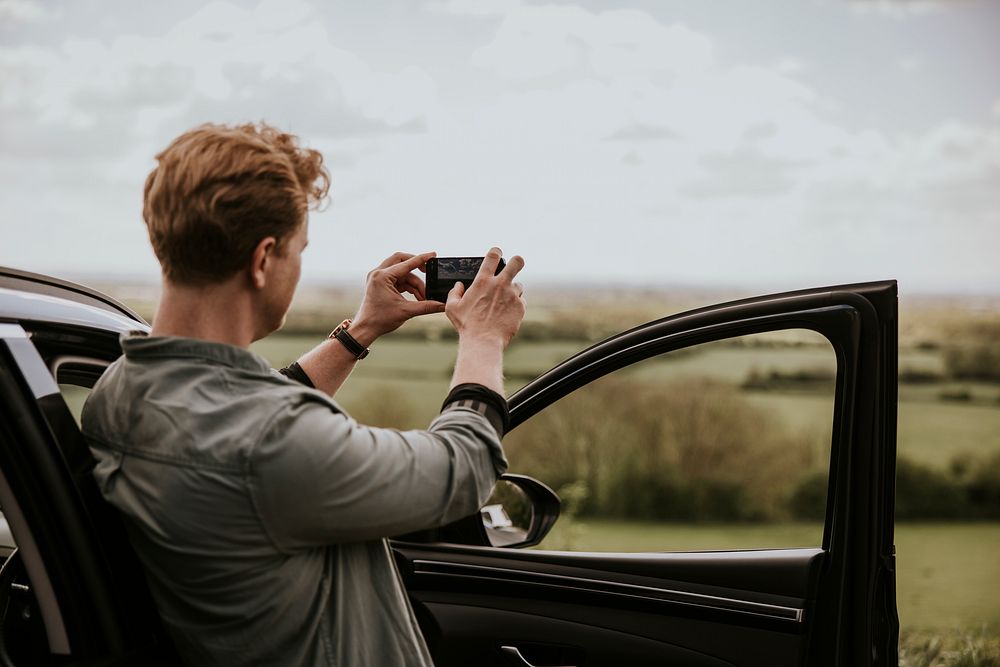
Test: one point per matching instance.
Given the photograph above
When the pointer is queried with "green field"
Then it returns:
(930, 430)
(419, 371)
(947, 574)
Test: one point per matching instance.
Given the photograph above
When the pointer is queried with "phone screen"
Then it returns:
(444, 272)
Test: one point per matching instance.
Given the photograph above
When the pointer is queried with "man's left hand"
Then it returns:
(384, 308)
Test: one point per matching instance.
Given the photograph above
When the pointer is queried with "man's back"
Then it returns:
(258, 509)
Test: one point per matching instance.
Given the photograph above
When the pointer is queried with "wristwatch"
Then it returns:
(350, 342)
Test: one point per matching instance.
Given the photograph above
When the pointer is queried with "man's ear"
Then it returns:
(260, 261)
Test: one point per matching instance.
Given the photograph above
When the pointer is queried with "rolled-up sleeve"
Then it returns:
(318, 477)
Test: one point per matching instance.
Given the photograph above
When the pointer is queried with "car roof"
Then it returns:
(26, 296)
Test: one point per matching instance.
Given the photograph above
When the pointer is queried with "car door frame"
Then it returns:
(90, 588)
(850, 617)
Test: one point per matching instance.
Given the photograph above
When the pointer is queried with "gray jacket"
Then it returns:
(259, 508)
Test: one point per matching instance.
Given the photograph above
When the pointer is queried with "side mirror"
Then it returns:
(520, 512)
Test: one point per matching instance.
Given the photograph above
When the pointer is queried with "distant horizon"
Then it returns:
(99, 280)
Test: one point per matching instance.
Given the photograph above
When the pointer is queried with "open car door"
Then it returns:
(72, 592)
(832, 604)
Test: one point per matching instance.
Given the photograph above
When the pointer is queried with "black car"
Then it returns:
(72, 593)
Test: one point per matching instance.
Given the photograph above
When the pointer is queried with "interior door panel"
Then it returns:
(829, 605)
(532, 628)
(650, 607)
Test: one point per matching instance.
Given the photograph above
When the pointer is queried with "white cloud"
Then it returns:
(576, 135)
(537, 42)
(24, 11)
(910, 63)
(481, 8)
(631, 160)
(955, 151)
(790, 66)
(641, 72)
(901, 8)
(151, 87)
(82, 120)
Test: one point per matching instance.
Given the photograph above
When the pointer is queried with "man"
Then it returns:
(258, 508)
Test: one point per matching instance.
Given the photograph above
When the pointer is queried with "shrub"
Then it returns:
(386, 406)
(910, 375)
(692, 450)
(808, 502)
(983, 488)
(962, 395)
(970, 489)
(799, 379)
(974, 361)
(926, 493)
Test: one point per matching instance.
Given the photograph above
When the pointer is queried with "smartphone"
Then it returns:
(444, 272)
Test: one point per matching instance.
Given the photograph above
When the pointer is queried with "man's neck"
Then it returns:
(220, 312)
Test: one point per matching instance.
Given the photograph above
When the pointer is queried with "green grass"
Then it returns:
(798, 411)
(958, 648)
(640, 536)
(733, 364)
(420, 371)
(934, 432)
(947, 574)
(930, 430)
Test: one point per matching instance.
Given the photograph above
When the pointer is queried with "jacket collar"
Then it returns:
(139, 347)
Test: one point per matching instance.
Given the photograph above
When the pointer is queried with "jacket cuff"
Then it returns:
(294, 372)
(483, 400)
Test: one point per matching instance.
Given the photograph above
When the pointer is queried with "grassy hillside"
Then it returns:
(932, 430)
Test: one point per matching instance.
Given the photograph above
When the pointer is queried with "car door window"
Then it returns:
(719, 446)
(75, 396)
(76, 376)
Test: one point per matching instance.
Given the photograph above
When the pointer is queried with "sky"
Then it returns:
(780, 144)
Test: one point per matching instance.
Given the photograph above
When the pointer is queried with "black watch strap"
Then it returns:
(347, 340)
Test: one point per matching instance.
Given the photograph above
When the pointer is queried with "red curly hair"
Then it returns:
(218, 190)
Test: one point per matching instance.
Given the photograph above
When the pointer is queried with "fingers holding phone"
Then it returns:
(383, 307)
(513, 268)
(483, 302)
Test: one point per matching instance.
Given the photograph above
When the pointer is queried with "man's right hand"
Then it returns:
(493, 307)
(486, 318)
